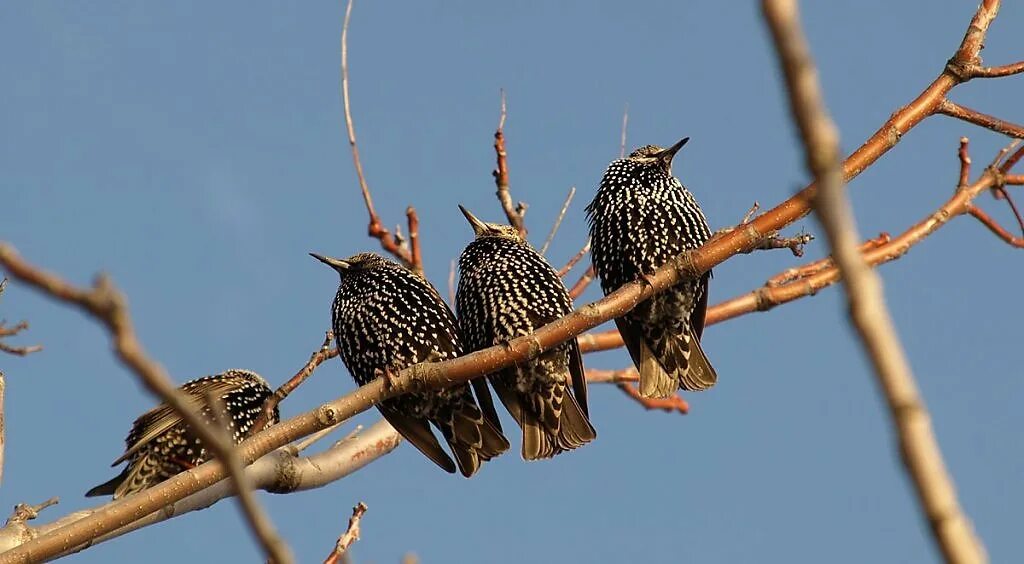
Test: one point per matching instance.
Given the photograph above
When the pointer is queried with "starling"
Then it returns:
(642, 217)
(161, 445)
(387, 318)
(507, 290)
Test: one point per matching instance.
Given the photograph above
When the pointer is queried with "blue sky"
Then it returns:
(196, 152)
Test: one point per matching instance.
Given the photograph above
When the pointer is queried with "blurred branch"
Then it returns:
(921, 455)
(513, 213)
(350, 535)
(106, 304)
(10, 332)
(581, 285)
(672, 404)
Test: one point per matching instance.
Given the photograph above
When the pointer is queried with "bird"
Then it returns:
(387, 318)
(161, 445)
(640, 218)
(507, 290)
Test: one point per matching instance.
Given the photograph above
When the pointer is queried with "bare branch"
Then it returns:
(575, 259)
(10, 332)
(672, 404)
(998, 72)
(625, 122)
(350, 535)
(513, 213)
(921, 454)
(957, 111)
(267, 537)
(688, 265)
(375, 228)
(581, 285)
(558, 220)
(322, 354)
(451, 283)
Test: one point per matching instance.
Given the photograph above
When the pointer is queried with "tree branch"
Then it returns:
(558, 220)
(375, 228)
(106, 304)
(921, 455)
(513, 213)
(687, 265)
(957, 111)
(350, 535)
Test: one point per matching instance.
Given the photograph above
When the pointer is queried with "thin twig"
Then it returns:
(3, 421)
(10, 332)
(414, 239)
(451, 283)
(375, 228)
(625, 122)
(957, 111)
(322, 354)
(671, 404)
(921, 455)
(513, 213)
(24, 512)
(575, 259)
(558, 220)
(581, 285)
(350, 535)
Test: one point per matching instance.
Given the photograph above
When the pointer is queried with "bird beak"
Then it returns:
(337, 264)
(667, 155)
(478, 226)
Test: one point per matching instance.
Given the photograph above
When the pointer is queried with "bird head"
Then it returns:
(483, 229)
(660, 156)
(361, 261)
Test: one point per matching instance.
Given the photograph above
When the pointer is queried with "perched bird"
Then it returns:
(387, 318)
(506, 290)
(641, 217)
(161, 444)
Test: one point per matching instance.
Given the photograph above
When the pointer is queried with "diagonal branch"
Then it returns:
(350, 536)
(957, 111)
(921, 455)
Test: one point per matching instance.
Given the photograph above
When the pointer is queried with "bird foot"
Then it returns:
(388, 375)
(647, 279)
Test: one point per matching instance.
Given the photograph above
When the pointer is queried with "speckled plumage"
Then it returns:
(161, 445)
(507, 290)
(387, 318)
(641, 217)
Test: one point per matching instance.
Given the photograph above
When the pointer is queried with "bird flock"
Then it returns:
(386, 318)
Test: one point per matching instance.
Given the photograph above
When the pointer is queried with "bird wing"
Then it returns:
(417, 431)
(579, 376)
(158, 420)
(700, 310)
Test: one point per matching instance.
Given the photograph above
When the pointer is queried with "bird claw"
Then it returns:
(646, 279)
(388, 375)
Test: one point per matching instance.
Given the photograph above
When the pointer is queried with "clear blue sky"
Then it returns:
(196, 152)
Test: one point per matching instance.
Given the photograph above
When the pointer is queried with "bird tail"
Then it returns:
(551, 419)
(141, 473)
(668, 362)
(472, 438)
(110, 486)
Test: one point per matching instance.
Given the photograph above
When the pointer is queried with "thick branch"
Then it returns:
(921, 455)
